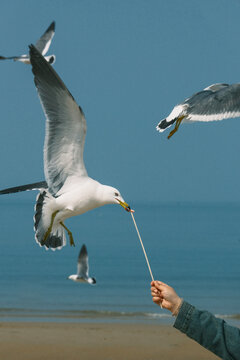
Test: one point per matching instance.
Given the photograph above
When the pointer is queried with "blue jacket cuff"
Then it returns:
(183, 317)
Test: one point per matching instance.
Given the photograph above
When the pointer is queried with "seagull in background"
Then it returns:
(68, 190)
(42, 45)
(83, 268)
(215, 102)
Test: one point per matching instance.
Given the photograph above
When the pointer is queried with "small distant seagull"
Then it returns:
(42, 46)
(215, 102)
(82, 268)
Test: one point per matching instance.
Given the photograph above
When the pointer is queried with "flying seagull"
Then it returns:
(42, 45)
(82, 268)
(215, 102)
(68, 190)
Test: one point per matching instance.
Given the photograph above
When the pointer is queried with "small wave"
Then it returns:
(76, 314)
(98, 315)
(157, 315)
(228, 316)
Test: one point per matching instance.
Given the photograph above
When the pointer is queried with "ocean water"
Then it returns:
(194, 247)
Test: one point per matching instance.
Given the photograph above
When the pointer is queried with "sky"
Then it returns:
(127, 63)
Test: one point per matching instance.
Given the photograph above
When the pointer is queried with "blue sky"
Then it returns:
(127, 63)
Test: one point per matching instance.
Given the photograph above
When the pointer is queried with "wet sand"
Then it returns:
(85, 341)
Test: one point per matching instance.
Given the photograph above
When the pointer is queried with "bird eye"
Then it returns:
(116, 194)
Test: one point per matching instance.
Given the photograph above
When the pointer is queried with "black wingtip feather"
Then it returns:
(43, 71)
(83, 250)
(51, 27)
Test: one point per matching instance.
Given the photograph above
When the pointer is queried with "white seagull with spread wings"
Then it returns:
(68, 190)
(83, 268)
(42, 45)
(215, 102)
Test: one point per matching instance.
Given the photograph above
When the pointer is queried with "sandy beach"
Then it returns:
(58, 341)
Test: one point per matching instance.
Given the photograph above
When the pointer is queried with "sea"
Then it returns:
(194, 247)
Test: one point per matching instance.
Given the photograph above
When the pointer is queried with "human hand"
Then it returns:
(165, 296)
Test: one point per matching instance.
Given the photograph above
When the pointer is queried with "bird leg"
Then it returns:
(178, 122)
(69, 234)
(50, 227)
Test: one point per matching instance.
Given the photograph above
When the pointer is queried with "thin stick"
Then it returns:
(142, 247)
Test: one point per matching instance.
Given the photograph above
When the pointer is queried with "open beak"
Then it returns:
(125, 205)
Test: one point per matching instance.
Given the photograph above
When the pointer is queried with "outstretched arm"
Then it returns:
(212, 333)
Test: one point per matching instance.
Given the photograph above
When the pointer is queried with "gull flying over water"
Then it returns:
(215, 102)
(83, 268)
(42, 45)
(68, 190)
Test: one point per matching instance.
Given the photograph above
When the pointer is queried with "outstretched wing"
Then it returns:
(65, 125)
(8, 57)
(217, 104)
(43, 44)
(34, 186)
(82, 267)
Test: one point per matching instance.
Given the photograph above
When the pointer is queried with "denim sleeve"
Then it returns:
(212, 333)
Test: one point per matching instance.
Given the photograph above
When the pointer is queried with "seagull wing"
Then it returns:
(43, 44)
(9, 57)
(216, 87)
(208, 105)
(34, 186)
(82, 267)
(65, 125)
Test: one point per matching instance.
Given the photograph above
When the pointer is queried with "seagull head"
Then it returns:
(113, 196)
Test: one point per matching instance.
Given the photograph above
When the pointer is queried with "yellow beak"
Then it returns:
(125, 205)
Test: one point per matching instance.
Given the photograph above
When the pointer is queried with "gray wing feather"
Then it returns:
(43, 44)
(65, 125)
(34, 186)
(216, 87)
(82, 268)
(223, 101)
